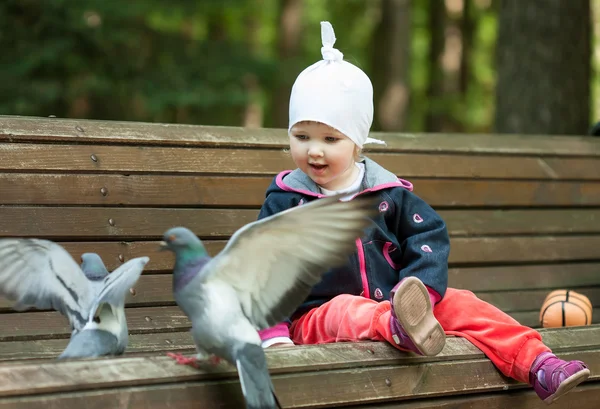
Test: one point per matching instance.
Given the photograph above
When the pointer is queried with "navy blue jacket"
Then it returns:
(408, 238)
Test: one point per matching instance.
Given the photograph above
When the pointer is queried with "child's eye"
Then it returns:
(331, 139)
(301, 137)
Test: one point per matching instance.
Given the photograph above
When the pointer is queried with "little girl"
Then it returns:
(404, 257)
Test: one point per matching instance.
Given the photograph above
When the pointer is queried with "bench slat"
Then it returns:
(156, 290)
(586, 396)
(41, 324)
(154, 190)
(303, 359)
(69, 223)
(46, 325)
(388, 374)
(14, 128)
(139, 344)
(132, 159)
(477, 250)
(528, 277)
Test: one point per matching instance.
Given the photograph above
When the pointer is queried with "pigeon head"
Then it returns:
(181, 240)
(93, 267)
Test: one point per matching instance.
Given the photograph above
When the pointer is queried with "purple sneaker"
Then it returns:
(552, 377)
(412, 322)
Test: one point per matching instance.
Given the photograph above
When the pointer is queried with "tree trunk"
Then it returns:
(290, 19)
(253, 113)
(435, 86)
(467, 29)
(543, 65)
(391, 63)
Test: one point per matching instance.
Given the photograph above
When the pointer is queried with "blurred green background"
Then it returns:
(435, 64)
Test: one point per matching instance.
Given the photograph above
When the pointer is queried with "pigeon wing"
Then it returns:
(42, 274)
(273, 263)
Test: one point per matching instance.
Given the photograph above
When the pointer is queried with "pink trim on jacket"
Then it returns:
(363, 268)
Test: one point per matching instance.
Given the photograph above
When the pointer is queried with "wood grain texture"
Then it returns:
(583, 397)
(156, 290)
(327, 387)
(525, 277)
(150, 290)
(310, 358)
(14, 128)
(40, 325)
(178, 191)
(139, 344)
(46, 158)
(464, 251)
(35, 325)
(111, 223)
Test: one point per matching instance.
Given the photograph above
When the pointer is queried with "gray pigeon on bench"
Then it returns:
(264, 273)
(42, 274)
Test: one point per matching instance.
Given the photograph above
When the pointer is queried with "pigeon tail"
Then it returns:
(255, 379)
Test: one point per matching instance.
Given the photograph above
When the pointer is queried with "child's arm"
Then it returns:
(425, 244)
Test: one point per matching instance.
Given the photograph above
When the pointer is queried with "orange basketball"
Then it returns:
(565, 308)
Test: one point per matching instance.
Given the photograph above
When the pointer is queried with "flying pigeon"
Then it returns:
(263, 274)
(42, 274)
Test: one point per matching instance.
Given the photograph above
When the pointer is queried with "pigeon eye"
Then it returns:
(172, 237)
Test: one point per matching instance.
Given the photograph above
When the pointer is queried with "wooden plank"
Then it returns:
(52, 325)
(542, 249)
(142, 159)
(154, 190)
(532, 318)
(477, 250)
(189, 396)
(13, 128)
(156, 290)
(79, 223)
(45, 325)
(324, 388)
(159, 343)
(585, 396)
(529, 277)
(139, 344)
(119, 223)
(532, 300)
(309, 358)
(150, 290)
(132, 190)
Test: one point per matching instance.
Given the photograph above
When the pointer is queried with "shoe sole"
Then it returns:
(568, 384)
(414, 312)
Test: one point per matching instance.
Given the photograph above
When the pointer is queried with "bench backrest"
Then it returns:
(523, 212)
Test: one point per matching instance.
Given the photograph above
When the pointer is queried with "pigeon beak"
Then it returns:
(162, 246)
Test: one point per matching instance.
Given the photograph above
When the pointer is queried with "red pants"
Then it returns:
(511, 346)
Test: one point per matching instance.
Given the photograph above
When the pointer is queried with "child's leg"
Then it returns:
(344, 318)
(517, 351)
(511, 346)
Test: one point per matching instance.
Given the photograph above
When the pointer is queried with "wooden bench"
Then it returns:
(523, 214)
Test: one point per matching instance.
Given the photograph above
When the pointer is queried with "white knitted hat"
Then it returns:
(334, 92)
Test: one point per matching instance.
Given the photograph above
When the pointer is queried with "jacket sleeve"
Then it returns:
(277, 202)
(424, 242)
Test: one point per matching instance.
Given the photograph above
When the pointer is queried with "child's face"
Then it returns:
(324, 154)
